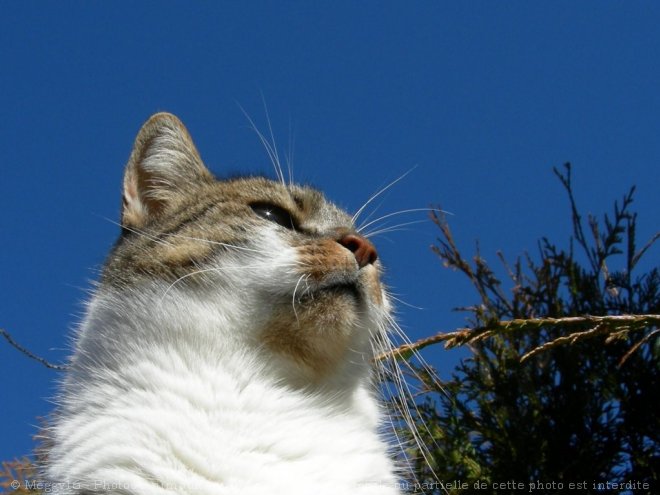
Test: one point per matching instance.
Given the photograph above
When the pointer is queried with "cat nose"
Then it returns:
(363, 250)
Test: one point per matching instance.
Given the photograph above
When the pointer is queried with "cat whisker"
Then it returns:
(163, 242)
(400, 212)
(374, 210)
(393, 228)
(218, 243)
(401, 301)
(378, 193)
(399, 441)
(216, 270)
(404, 338)
(293, 298)
(270, 149)
(387, 377)
(278, 163)
(407, 415)
(182, 278)
(139, 232)
(404, 390)
(289, 157)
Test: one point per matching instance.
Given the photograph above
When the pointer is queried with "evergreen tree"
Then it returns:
(562, 381)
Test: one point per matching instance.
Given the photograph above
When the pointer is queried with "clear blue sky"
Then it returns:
(484, 98)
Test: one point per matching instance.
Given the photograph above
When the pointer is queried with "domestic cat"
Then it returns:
(229, 345)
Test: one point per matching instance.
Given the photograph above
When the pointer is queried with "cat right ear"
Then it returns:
(163, 165)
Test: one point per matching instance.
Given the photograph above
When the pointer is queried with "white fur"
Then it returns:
(169, 392)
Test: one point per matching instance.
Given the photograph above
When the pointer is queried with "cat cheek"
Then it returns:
(183, 253)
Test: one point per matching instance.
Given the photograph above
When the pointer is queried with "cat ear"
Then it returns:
(163, 165)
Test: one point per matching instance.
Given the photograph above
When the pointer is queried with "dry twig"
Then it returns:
(582, 327)
(29, 354)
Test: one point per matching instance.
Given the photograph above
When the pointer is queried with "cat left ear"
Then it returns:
(163, 165)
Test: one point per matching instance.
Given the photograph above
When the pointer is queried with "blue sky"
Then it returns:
(482, 98)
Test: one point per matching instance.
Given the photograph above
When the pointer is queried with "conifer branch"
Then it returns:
(581, 327)
(637, 345)
(15, 475)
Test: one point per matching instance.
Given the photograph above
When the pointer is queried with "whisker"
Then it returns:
(139, 232)
(403, 388)
(373, 197)
(392, 228)
(401, 212)
(278, 164)
(375, 209)
(217, 270)
(218, 243)
(394, 431)
(289, 157)
(180, 279)
(293, 298)
(272, 153)
(406, 340)
(189, 238)
(401, 301)
(392, 374)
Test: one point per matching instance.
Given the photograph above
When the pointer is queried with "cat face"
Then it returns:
(289, 260)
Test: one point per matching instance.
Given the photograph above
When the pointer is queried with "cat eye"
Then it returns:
(274, 214)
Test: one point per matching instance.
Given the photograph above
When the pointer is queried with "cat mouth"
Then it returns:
(344, 288)
(350, 289)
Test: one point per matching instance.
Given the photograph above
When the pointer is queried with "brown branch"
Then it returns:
(15, 476)
(572, 338)
(29, 354)
(405, 351)
(641, 252)
(594, 325)
(637, 345)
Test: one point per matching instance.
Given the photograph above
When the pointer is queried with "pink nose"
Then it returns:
(364, 252)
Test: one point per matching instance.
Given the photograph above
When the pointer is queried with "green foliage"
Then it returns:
(587, 411)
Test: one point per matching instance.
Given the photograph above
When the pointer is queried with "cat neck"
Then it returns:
(161, 404)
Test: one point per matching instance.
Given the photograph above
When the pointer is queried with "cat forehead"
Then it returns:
(301, 200)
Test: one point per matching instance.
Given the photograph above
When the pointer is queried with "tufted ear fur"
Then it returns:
(164, 162)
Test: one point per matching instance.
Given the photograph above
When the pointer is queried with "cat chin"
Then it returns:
(320, 329)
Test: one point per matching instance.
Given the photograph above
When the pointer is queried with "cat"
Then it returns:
(229, 344)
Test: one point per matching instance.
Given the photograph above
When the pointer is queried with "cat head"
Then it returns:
(279, 257)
